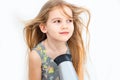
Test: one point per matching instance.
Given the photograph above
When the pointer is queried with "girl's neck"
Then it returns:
(55, 45)
(55, 48)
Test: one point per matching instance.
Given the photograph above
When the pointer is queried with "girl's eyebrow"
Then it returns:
(55, 18)
(60, 18)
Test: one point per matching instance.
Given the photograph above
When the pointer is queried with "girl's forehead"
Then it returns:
(59, 12)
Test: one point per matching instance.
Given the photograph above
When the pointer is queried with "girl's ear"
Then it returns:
(43, 28)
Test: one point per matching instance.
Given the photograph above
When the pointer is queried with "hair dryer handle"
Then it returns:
(66, 69)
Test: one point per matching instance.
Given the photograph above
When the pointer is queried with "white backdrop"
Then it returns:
(104, 42)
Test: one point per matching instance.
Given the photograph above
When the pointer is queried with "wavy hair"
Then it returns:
(34, 35)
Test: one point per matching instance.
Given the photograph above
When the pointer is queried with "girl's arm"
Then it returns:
(34, 66)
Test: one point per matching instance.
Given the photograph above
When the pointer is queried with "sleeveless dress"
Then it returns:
(49, 68)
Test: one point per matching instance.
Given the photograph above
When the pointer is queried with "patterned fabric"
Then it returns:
(49, 67)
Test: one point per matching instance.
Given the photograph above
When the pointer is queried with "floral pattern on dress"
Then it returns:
(49, 67)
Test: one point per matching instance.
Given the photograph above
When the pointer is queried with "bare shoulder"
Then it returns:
(34, 58)
(34, 66)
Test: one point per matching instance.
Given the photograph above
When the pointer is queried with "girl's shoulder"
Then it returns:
(40, 50)
(34, 58)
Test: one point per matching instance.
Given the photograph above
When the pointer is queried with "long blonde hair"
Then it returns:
(34, 35)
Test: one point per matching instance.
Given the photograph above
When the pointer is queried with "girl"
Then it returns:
(56, 30)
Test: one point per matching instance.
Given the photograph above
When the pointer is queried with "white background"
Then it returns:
(104, 42)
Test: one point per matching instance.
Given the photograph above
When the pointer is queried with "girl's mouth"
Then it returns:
(64, 33)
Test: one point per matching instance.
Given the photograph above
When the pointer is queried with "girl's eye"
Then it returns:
(57, 21)
(70, 20)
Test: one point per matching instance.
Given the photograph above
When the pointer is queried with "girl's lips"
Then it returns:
(64, 32)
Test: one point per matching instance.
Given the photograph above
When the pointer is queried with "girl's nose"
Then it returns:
(64, 25)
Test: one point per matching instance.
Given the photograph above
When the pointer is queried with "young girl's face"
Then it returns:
(59, 26)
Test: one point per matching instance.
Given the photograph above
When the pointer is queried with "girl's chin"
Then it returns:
(64, 40)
